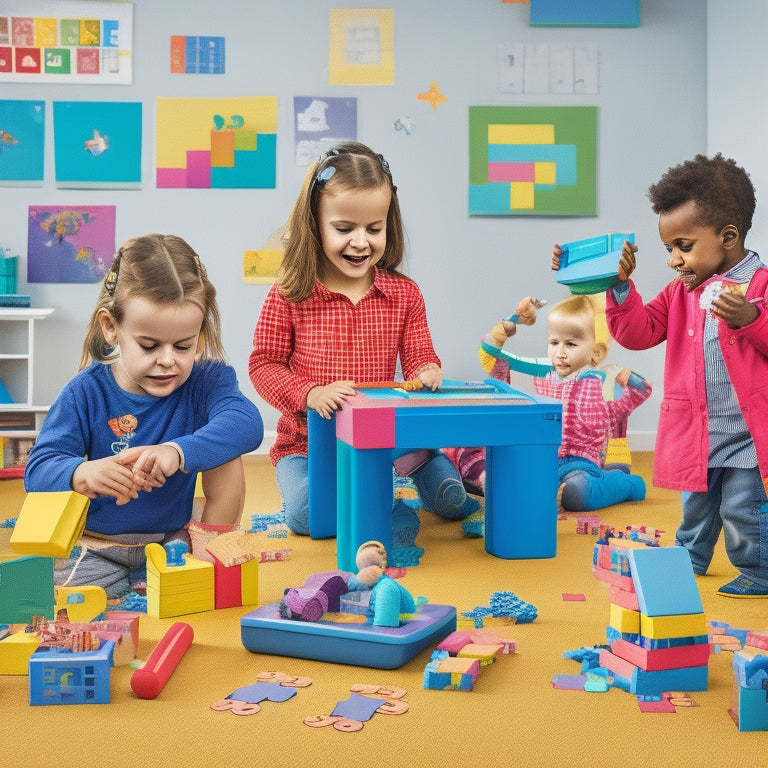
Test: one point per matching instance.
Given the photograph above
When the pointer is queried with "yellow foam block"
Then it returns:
(15, 651)
(249, 582)
(177, 590)
(680, 625)
(82, 604)
(49, 523)
(624, 619)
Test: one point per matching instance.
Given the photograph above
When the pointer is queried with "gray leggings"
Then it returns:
(111, 568)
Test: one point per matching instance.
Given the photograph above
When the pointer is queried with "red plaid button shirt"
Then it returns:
(326, 338)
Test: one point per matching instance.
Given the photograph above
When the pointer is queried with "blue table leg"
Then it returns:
(364, 501)
(521, 501)
(321, 460)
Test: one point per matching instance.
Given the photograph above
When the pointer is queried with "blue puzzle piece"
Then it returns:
(358, 707)
(664, 581)
(258, 692)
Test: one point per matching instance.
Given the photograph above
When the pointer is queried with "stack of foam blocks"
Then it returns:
(657, 630)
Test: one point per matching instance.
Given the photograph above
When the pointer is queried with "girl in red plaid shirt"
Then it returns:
(343, 313)
(589, 419)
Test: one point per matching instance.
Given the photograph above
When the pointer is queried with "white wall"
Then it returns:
(652, 113)
(737, 103)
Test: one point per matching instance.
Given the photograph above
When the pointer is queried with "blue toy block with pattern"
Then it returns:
(60, 676)
(664, 581)
(592, 265)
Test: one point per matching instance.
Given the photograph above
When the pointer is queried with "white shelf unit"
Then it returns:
(21, 419)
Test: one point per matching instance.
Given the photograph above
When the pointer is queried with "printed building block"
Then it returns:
(58, 676)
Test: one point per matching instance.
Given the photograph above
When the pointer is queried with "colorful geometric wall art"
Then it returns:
(217, 143)
(532, 161)
(97, 144)
(69, 41)
(22, 142)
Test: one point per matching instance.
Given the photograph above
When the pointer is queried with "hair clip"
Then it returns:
(110, 282)
(324, 176)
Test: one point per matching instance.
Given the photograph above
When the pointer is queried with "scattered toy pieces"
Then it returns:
(364, 701)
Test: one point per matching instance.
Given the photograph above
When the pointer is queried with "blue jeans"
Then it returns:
(735, 503)
(587, 487)
(438, 482)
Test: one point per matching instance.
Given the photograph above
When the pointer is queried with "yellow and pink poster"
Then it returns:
(216, 143)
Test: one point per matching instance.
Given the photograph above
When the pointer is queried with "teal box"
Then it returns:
(8, 274)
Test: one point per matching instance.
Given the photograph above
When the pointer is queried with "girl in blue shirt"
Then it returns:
(154, 403)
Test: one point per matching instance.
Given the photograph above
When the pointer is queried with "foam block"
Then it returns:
(654, 569)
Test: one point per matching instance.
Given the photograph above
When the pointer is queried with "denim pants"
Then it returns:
(587, 487)
(438, 482)
(735, 503)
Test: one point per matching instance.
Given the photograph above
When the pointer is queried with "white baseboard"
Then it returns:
(641, 441)
(638, 441)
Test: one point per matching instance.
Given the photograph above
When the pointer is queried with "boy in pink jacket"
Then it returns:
(712, 439)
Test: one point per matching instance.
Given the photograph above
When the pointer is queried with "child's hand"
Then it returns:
(557, 252)
(105, 477)
(150, 464)
(732, 307)
(329, 398)
(627, 260)
(432, 378)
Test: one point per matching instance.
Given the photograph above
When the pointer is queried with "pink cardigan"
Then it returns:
(674, 316)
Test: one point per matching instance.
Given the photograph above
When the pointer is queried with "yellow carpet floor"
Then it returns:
(513, 717)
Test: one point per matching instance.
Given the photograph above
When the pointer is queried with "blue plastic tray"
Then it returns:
(263, 631)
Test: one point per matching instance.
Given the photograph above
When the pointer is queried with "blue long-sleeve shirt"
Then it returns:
(207, 416)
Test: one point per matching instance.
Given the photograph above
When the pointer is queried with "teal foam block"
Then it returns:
(664, 581)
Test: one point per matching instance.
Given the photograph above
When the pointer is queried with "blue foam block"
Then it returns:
(664, 581)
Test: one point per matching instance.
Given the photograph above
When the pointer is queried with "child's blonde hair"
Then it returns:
(587, 311)
(163, 269)
(347, 166)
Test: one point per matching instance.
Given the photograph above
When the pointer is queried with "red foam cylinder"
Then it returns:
(148, 681)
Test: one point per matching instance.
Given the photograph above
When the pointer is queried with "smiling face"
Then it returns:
(353, 233)
(697, 251)
(571, 343)
(158, 345)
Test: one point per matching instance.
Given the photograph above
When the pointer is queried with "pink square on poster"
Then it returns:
(87, 61)
(511, 172)
(199, 169)
(171, 178)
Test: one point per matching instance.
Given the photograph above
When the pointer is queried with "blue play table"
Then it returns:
(350, 484)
